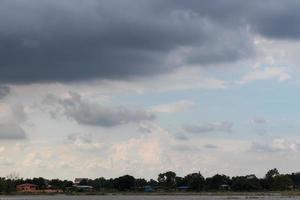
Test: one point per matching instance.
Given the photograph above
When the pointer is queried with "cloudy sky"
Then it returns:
(106, 88)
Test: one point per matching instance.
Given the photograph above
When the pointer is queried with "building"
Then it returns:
(27, 187)
(52, 191)
(251, 176)
(83, 188)
(148, 188)
(183, 188)
(80, 185)
(224, 187)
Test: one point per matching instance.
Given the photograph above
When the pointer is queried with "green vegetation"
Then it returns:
(167, 182)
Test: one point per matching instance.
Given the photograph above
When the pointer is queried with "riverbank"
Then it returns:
(225, 193)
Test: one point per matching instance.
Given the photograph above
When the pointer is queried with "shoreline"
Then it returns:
(230, 193)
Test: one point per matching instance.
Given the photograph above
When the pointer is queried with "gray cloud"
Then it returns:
(79, 137)
(210, 146)
(65, 40)
(276, 19)
(209, 127)
(185, 147)
(181, 136)
(95, 114)
(259, 125)
(19, 113)
(273, 19)
(83, 142)
(145, 128)
(11, 131)
(262, 147)
(4, 91)
(258, 121)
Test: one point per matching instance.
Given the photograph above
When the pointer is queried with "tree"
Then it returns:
(282, 182)
(10, 186)
(140, 183)
(67, 184)
(272, 173)
(296, 179)
(246, 183)
(98, 183)
(83, 182)
(269, 178)
(56, 184)
(2, 185)
(180, 181)
(217, 182)
(153, 183)
(40, 182)
(195, 181)
(167, 180)
(124, 183)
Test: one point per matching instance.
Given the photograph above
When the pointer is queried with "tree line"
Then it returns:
(167, 182)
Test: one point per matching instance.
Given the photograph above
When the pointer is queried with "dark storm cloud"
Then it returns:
(75, 40)
(270, 18)
(277, 19)
(69, 40)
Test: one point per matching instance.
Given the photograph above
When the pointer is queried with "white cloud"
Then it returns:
(209, 127)
(174, 107)
(148, 127)
(184, 78)
(276, 145)
(258, 120)
(259, 125)
(4, 108)
(83, 141)
(267, 73)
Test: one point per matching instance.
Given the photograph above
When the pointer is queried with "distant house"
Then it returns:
(52, 191)
(183, 188)
(80, 185)
(251, 176)
(148, 188)
(224, 187)
(27, 187)
(83, 188)
(78, 180)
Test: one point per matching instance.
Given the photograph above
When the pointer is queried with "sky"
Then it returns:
(107, 88)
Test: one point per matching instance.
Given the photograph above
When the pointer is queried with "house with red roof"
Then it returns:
(27, 187)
